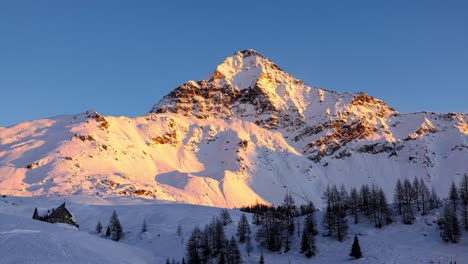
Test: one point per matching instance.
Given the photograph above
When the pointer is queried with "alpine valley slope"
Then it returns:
(250, 133)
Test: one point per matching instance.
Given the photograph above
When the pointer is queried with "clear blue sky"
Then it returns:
(118, 57)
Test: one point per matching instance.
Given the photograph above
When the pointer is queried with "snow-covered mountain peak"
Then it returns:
(248, 133)
(251, 87)
(243, 70)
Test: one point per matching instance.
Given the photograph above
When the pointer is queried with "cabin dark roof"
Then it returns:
(56, 215)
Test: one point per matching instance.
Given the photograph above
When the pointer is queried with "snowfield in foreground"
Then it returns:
(25, 240)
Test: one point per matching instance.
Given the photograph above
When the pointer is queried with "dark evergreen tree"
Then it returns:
(108, 232)
(183, 260)
(304, 241)
(233, 255)
(334, 220)
(225, 216)
(298, 226)
(425, 196)
(434, 201)
(270, 234)
(179, 230)
(453, 196)
(193, 249)
(256, 219)
(116, 231)
(168, 261)
(380, 211)
(289, 211)
(205, 247)
(99, 227)
(449, 225)
(222, 258)
(262, 260)
(341, 226)
(219, 236)
(398, 196)
(307, 208)
(243, 228)
(144, 227)
(356, 249)
(407, 207)
(354, 204)
(328, 219)
(364, 192)
(248, 245)
(180, 233)
(310, 224)
(308, 247)
(416, 195)
(464, 200)
(344, 197)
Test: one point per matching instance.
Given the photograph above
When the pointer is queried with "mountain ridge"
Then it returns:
(251, 132)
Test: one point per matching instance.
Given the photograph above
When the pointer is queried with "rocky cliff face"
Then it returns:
(249, 133)
(250, 87)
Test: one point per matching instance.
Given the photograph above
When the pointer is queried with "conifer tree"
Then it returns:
(289, 208)
(310, 224)
(407, 207)
(262, 260)
(248, 245)
(270, 233)
(116, 232)
(425, 195)
(225, 216)
(144, 227)
(354, 204)
(108, 232)
(449, 225)
(222, 258)
(308, 247)
(206, 249)
(344, 197)
(219, 236)
(334, 220)
(416, 195)
(364, 200)
(434, 201)
(233, 253)
(453, 195)
(179, 230)
(398, 196)
(243, 228)
(328, 217)
(464, 200)
(356, 249)
(193, 247)
(180, 233)
(99, 227)
(380, 210)
(304, 241)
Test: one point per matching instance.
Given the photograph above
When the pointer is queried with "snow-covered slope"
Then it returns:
(25, 240)
(250, 133)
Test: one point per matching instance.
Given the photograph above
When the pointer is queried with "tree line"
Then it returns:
(278, 227)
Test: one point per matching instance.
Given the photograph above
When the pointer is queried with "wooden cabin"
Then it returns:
(55, 215)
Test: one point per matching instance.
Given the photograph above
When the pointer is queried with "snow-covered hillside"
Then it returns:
(25, 240)
(250, 133)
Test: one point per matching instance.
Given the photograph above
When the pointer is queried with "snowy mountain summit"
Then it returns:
(249, 133)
